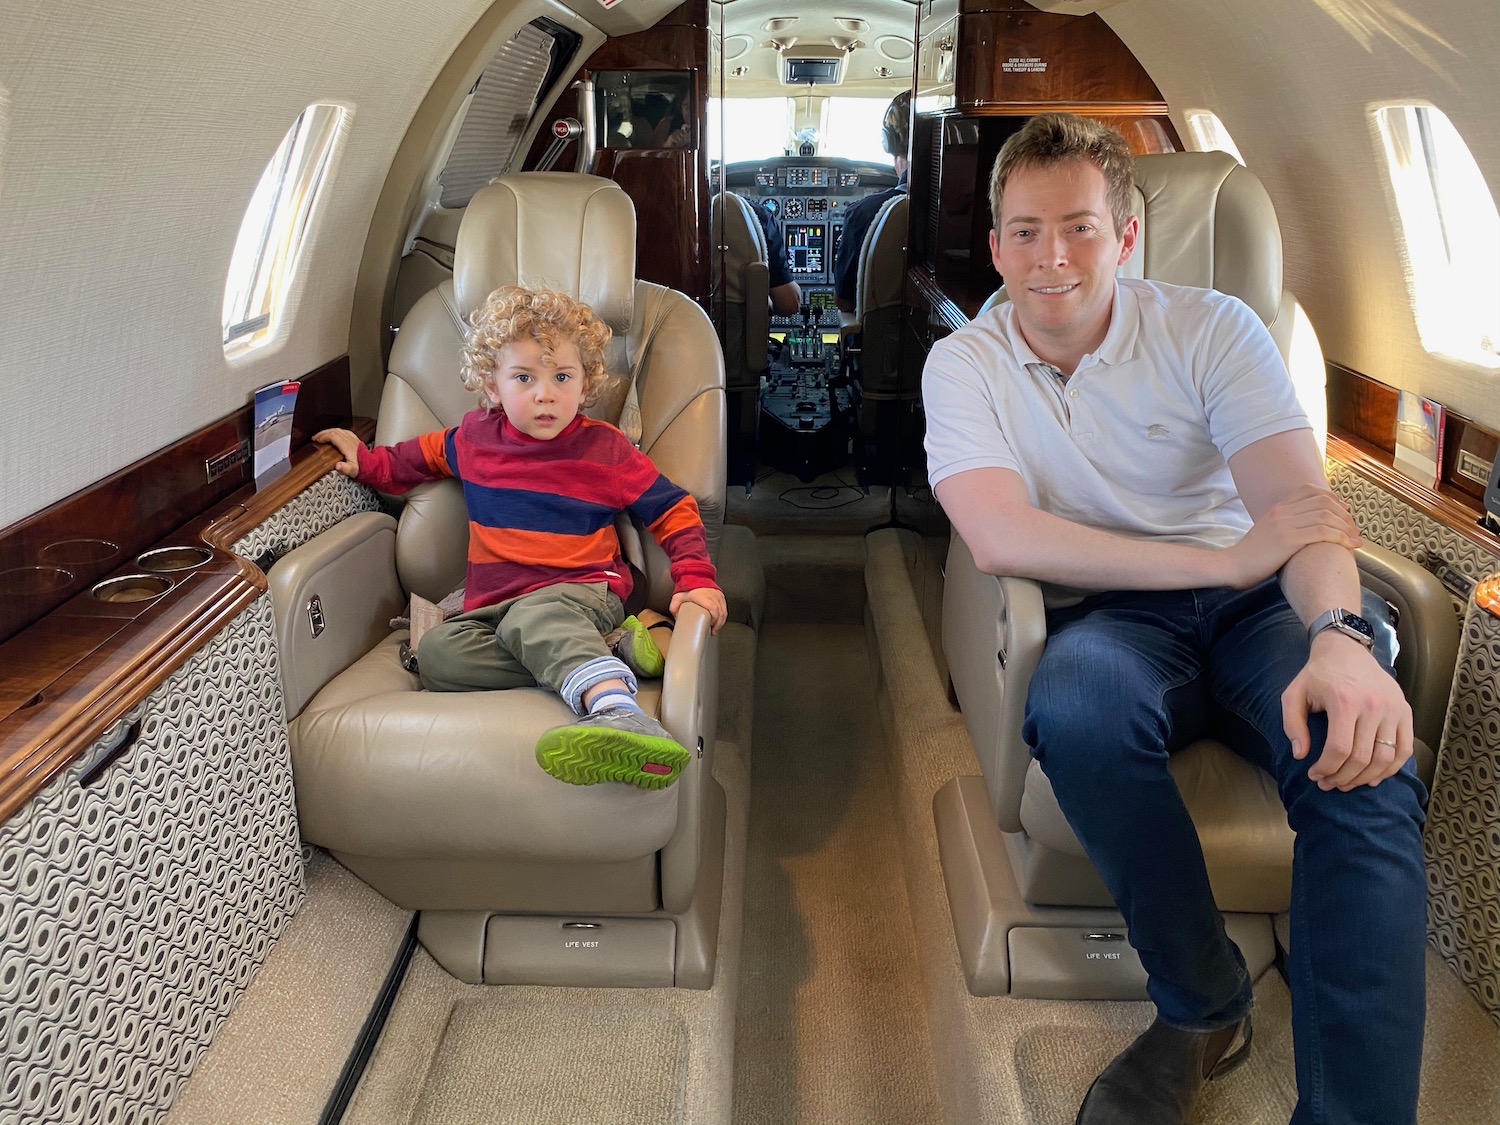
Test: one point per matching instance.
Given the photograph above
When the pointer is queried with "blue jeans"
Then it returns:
(1129, 678)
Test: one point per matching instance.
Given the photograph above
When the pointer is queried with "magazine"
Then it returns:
(1419, 438)
(274, 405)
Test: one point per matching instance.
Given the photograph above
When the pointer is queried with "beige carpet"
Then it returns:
(276, 1059)
(830, 1028)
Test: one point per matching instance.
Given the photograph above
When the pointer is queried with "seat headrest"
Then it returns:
(557, 230)
(739, 239)
(1207, 221)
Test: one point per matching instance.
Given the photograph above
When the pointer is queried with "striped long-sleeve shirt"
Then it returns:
(541, 511)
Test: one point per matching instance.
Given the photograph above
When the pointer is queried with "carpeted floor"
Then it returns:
(830, 1028)
(276, 1059)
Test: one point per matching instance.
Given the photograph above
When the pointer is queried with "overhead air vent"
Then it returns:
(812, 71)
(780, 23)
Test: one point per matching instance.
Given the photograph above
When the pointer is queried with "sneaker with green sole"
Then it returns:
(637, 648)
(614, 744)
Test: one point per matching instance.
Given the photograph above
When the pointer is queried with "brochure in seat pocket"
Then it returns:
(1419, 438)
(274, 405)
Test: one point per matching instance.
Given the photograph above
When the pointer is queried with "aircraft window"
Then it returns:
(1451, 233)
(276, 225)
(851, 128)
(753, 128)
(1209, 135)
(502, 103)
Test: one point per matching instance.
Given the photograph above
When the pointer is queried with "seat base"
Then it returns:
(1009, 947)
(656, 950)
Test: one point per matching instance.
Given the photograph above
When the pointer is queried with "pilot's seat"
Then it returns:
(741, 279)
(436, 799)
(1032, 917)
(888, 388)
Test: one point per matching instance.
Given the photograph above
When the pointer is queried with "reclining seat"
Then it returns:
(1032, 917)
(436, 799)
(741, 279)
(886, 397)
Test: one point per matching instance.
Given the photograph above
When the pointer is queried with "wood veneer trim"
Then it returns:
(102, 682)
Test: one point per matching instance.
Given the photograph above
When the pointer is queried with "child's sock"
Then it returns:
(614, 699)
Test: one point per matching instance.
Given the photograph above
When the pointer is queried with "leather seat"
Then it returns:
(436, 799)
(1009, 856)
(741, 280)
(888, 388)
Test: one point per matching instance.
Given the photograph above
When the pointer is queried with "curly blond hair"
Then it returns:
(548, 317)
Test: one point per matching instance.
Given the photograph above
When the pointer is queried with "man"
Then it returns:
(786, 294)
(1137, 447)
(895, 138)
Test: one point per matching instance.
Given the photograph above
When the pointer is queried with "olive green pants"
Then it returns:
(539, 638)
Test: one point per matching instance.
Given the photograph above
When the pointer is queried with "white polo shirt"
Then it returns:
(1137, 440)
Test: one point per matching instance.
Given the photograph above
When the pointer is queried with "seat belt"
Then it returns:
(630, 413)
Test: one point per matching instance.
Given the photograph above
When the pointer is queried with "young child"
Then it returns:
(546, 574)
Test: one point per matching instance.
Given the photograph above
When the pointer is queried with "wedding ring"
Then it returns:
(1385, 742)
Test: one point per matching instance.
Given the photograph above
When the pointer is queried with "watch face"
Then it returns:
(1356, 624)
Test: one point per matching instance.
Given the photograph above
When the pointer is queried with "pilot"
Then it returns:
(895, 137)
(1139, 449)
(786, 294)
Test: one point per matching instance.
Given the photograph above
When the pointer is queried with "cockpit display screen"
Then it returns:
(804, 247)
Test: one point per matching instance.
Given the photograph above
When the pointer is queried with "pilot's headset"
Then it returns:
(895, 127)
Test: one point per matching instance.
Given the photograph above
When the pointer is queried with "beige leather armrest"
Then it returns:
(1428, 632)
(350, 570)
(994, 630)
(689, 710)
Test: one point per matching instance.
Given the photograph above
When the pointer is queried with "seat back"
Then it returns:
(574, 233)
(877, 300)
(741, 287)
(742, 280)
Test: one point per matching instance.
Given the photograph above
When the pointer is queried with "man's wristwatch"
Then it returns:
(1349, 624)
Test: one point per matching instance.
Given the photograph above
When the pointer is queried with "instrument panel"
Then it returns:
(808, 197)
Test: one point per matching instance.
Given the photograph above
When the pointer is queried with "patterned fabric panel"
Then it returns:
(1462, 838)
(1463, 821)
(1387, 520)
(134, 911)
(333, 498)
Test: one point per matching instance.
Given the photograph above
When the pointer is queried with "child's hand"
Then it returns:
(348, 446)
(708, 598)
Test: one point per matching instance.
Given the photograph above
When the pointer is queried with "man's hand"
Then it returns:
(710, 598)
(1309, 514)
(1369, 721)
(348, 446)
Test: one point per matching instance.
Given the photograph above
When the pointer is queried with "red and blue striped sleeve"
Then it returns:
(671, 515)
(401, 467)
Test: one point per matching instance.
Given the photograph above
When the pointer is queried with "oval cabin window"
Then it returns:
(1450, 233)
(276, 225)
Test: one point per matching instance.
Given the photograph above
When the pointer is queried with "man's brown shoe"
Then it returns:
(1156, 1079)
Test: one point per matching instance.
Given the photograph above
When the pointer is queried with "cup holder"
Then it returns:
(173, 558)
(79, 552)
(32, 581)
(131, 588)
